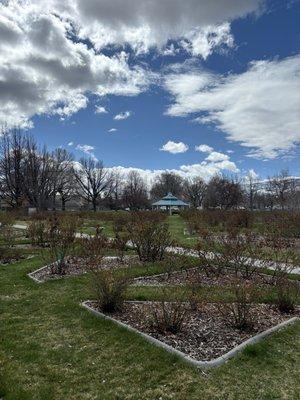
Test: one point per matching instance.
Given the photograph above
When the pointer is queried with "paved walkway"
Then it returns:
(258, 263)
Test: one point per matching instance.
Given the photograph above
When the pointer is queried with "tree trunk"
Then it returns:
(94, 205)
(63, 204)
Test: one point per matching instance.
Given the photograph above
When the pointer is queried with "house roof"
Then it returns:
(170, 200)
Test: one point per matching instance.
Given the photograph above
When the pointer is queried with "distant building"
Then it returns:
(169, 203)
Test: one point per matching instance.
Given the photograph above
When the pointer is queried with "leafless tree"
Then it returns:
(194, 190)
(94, 181)
(38, 175)
(11, 165)
(114, 200)
(64, 182)
(135, 192)
(167, 182)
(251, 189)
(223, 193)
(281, 186)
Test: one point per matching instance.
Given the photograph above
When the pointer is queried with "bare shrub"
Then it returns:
(211, 261)
(193, 285)
(167, 317)
(233, 250)
(6, 229)
(241, 252)
(238, 314)
(287, 295)
(149, 236)
(239, 219)
(282, 254)
(177, 262)
(121, 236)
(109, 290)
(93, 248)
(192, 219)
(61, 237)
(37, 232)
(282, 223)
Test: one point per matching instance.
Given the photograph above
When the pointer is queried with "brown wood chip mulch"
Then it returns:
(205, 333)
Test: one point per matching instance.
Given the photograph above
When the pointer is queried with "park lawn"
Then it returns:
(90, 225)
(52, 348)
(177, 227)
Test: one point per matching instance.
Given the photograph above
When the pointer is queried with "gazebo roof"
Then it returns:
(170, 200)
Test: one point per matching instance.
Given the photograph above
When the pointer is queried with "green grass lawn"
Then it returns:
(178, 228)
(52, 349)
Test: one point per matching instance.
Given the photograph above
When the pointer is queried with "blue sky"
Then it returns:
(245, 111)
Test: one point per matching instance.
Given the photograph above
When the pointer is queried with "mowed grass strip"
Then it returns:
(51, 348)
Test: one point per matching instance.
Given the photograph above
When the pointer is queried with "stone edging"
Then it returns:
(31, 274)
(197, 363)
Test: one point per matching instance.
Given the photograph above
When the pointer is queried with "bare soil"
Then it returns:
(205, 334)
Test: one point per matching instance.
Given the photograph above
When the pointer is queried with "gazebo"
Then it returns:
(169, 203)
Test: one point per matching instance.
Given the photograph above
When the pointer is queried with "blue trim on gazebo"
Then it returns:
(170, 201)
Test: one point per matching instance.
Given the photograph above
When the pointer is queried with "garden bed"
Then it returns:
(12, 256)
(196, 275)
(205, 335)
(78, 266)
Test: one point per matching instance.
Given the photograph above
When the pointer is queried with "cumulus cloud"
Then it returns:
(100, 110)
(258, 108)
(205, 170)
(215, 156)
(122, 115)
(88, 150)
(203, 41)
(174, 148)
(204, 148)
(152, 23)
(70, 143)
(51, 54)
(44, 71)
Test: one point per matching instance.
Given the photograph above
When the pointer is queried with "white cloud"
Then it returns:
(43, 71)
(152, 23)
(174, 148)
(205, 170)
(70, 143)
(122, 115)
(100, 110)
(258, 108)
(71, 106)
(87, 149)
(215, 156)
(112, 130)
(252, 174)
(204, 148)
(203, 41)
(46, 67)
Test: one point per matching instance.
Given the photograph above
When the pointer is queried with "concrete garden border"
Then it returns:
(197, 363)
(32, 273)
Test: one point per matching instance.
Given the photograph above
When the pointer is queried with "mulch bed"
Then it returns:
(205, 334)
(78, 266)
(12, 257)
(198, 275)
